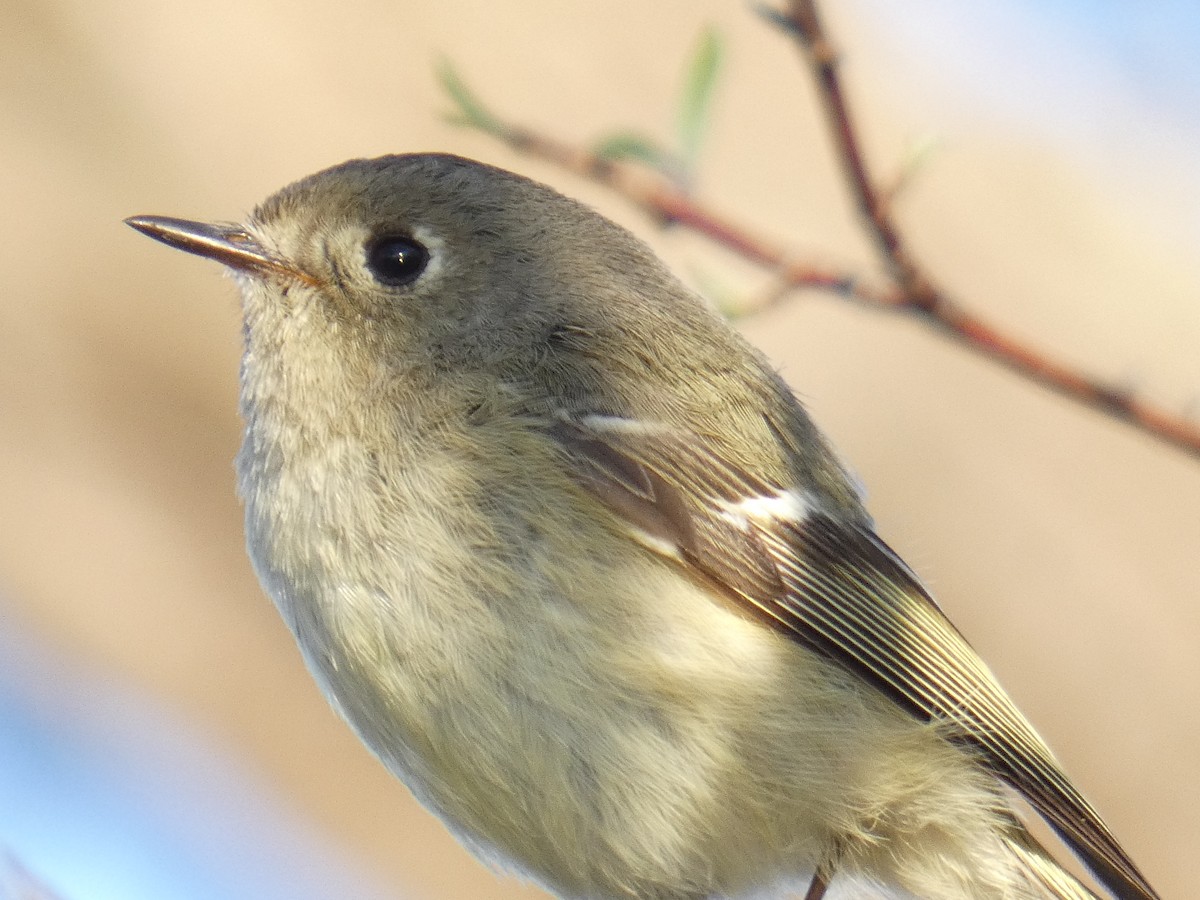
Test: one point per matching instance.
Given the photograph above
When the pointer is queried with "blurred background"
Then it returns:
(159, 736)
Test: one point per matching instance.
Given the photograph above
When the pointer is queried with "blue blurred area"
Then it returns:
(70, 822)
(1115, 84)
(1090, 49)
(1155, 43)
(104, 796)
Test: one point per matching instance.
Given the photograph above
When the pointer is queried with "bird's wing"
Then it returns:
(834, 587)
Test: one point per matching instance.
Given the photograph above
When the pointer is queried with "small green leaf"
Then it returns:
(629, 145)
(918, 154)
(470, 110)
(696, 101)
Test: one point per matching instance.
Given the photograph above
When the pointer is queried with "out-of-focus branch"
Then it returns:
(918, 293)
(803, 21)
(18, 883)
(658, 196)
(911, 290)
(663, 200)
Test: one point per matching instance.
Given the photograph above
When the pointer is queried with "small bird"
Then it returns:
(571, 559)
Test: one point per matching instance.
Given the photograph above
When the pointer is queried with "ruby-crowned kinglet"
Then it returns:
(571, 559)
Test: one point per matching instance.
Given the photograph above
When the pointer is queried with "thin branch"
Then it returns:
(662, 199)
(913, 291)
(918, 292)
(803, 22)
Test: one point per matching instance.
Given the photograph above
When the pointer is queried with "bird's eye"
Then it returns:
(396, 260)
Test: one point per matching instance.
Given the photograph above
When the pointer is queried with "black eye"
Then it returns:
(396, 260)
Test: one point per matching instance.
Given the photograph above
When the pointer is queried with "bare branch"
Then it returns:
(918, 292)
(664, 201)
(912, 291)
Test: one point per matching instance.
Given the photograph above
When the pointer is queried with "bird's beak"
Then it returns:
(228, 244)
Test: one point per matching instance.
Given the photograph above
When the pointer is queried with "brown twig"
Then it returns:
(804, 22)
(918, 292)
(664, 200)
(913, 291)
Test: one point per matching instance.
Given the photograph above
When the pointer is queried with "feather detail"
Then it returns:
(1043, 871)
(834, 587)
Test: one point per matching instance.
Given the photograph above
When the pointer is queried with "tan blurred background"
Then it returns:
(1064, 545)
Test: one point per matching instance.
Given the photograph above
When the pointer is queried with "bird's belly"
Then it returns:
(611, 730)
(596, 742)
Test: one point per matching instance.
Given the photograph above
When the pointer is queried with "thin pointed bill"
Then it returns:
(228, 244)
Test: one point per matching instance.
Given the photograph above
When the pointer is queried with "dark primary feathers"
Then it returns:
(836, 588)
